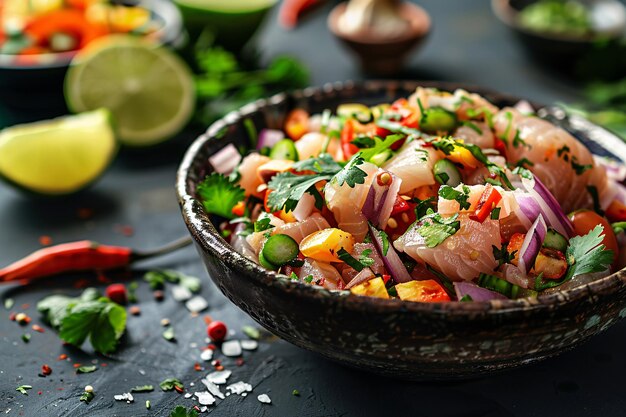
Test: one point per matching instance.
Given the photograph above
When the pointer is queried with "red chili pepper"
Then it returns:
(499, 146)
(488, 201)
(386, 278)
(400, 206)
(79, 256)
(291, 11)
(347, 135)
(117, 293)
(46, 370)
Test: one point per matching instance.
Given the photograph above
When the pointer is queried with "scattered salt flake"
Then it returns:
(213, 389)
(231, 348)
(192, 384)
(240, 388)
(196, 304)
(218, 377)
(264, 398)
(127, 396)
(206, 355)
(188, 395)
(205, 398)
(180, 293)
(249, 344)
(203, 409)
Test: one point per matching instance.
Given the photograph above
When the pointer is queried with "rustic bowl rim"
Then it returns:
(206, 235)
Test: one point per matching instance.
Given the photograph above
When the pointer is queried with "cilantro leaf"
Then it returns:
(170, 383)
(461, 197)
(435, 229)
(287, 189)
(181, 411)
(88, 316)
(422, 207)
(262, 224)
(87, 396)
(351, 174)
(502, 255)
(218, 195)
(102, 320)
(323, 164)
(363, 142)
(380, 146)
(587, 253)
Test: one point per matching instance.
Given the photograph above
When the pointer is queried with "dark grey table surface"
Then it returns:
(467, 44)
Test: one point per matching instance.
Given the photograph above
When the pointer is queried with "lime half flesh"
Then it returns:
(59, 156)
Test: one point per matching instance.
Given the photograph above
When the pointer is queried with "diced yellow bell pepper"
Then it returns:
(426, 291)
(323, 245)
(463, 156)
(286, 216)
(372, 288)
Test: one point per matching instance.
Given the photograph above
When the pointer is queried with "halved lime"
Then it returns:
(58, 156)
(149, 90)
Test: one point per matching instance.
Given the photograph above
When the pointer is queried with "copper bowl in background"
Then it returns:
(401, 339)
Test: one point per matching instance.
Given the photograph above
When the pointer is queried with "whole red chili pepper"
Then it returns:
(79, 256)
(291, 10)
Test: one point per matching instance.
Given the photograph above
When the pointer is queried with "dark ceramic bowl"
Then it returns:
(391, 337)
(596, 55)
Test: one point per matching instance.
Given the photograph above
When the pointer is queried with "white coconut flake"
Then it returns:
(127, 396)
(249, 344)
(240, 388)
(180, 293)
(196, 304)
(264, 398)
(218, 377)
(206, 355)
(231, 348)
(205, 398)
(213, 389)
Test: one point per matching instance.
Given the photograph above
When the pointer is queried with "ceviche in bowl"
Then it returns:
(442, 230)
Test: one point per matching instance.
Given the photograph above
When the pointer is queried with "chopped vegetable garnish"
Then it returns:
(435, 229)
(170, 383)
(23, 389)
(219, 196)
(86, 369)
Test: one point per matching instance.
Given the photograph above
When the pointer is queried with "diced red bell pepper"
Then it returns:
(347, 136)
(400, 206)
(239, 209)
(616, 212)
(499, 146)
(488, 201)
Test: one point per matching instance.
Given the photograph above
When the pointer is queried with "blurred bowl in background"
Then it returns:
(383, 56)
(232, 23)
(32, 85)
(599, 53)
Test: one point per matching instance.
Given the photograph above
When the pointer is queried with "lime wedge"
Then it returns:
(59, 156)
(147, 88)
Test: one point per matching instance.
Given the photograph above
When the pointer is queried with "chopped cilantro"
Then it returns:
(308, 279)
(287, 189)
(295, 393)
(351, 174)
(562, 150)
(219, 195)
(472, 126)
(169, 335)
(448, 193)
(365, 259)
(578, 168)
(422, 207)
(170, 383)
(466, 298)
(524, 161)
(26, 337)
(251, 332)
(293, 276)
(445, 145)
(424, 155)
(87, 396)
(495, 213)
(504, 137)
(493, 182)
(323, 164)
(502, 255)
(142, 388)
(23, 388)
(363, 142)
(435, 229)
(181, 411)
(380, 146)
(156, 279)
(523, 172)
(262, 224)
(86, 369)
(345, 256)
(518, 141)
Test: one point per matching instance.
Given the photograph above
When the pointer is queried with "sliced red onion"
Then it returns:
(528, 209)
(365, 275)
(380, 200)
(269, 138)
(550, 208)
(532, 244)
(225, 160)
(304, 208)
(475, 292)
(392, 261)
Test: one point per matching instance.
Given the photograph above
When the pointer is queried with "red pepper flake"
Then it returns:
(219, 368)
(216, 362)
(38, 328)
(76, 365)
(45, 240)
(207, 320)
(104, 365)
(239, 361)
(84, 213)
(197, 367)
(135, 310)
(12, 316)
(39, 392)
(62, 356)
(178, 389)
(159, 295)
(46, 370)
(211, 346)
(195, 407)
(125, 230)
(22, 318)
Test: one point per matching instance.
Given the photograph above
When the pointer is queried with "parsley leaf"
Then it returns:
(88, 316)
(587, 253)
(181, 411)
(461, 197)
(351, 174)
(435, 229)
(218, 195)
(170, 383)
